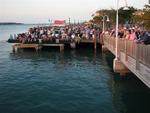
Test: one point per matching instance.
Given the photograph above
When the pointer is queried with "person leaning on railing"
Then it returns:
(142, 37)
(146, 38)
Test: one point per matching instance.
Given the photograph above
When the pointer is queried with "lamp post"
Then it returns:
(107, 19)
(117, 25)
(69, 21)
(50, 21)
(116, 34)
(74, 21)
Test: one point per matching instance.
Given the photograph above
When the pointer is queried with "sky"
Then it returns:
(39, 11)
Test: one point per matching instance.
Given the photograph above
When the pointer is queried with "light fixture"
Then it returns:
(107, 19)
(126, 8)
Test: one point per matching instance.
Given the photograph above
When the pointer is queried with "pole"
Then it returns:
(94, 40)
(103, 24)
(69, 21)
(117, 30)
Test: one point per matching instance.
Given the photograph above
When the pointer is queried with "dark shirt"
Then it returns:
(146, 38)
(120, 34)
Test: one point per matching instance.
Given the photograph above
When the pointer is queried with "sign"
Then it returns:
(59, 23)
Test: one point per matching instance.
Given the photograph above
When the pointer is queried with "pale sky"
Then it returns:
(39, 11)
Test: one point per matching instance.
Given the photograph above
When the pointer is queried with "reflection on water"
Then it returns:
(69, 55)
(129, 94)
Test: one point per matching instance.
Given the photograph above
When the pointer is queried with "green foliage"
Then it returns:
(126, 15)
(110, 13)
(142, 17)
(132, 16)
(97, 19)
(146, 17)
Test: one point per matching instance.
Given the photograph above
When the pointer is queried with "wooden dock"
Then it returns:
(26, 46)
(36, 46)
(132, 56)
(61, 46)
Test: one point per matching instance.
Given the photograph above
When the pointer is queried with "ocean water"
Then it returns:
(76, 81)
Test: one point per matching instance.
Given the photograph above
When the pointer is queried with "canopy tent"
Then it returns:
(59, 23)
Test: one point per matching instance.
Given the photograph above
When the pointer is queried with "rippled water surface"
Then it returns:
(76, 81)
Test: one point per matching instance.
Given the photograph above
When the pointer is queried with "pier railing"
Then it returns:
(139, 52)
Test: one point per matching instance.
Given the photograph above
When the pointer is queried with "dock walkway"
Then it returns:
(133, 56)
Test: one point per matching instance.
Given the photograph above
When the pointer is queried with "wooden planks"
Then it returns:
(24, 46)
(36, 46)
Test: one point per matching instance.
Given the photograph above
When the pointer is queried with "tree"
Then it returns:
(126, 16)
(142, 17)
(100, 13)
(97, 19)
(146, 16)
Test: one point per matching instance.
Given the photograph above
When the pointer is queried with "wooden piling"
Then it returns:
(94, 41)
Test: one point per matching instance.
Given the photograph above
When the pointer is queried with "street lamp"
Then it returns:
(107, 20)
(117, 25)
(116, 34)
(69, 21)
(50, 21)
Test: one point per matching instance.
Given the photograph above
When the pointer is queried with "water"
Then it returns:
(70, 82)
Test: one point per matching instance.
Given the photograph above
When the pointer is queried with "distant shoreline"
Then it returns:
(10, 23)
(13, 23)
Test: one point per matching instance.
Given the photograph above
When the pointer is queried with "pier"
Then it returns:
(24, 46)
(36, 46)
(132, 57)
(61, 45)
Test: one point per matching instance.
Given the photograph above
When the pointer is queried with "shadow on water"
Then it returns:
(129, 94)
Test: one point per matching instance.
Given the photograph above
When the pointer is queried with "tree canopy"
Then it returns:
(131, 16)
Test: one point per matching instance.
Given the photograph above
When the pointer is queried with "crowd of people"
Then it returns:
(77, 33)
(51, 34)
(135, 34)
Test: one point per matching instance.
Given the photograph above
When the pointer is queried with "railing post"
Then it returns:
(137, 56)
(94, 40)
(119, 48)
(126, 56)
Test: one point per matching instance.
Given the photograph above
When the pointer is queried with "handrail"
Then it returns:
(139, 52)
